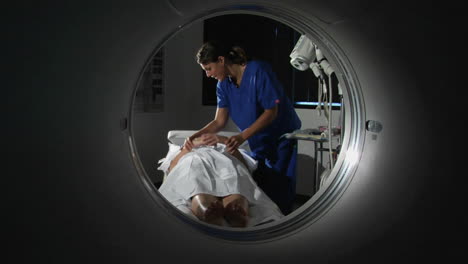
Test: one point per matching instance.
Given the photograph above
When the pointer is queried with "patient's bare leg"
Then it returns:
(236, 210)
(208, 208)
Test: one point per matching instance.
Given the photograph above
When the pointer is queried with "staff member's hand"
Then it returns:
(234, 142)
(209, 139)
(188, 144)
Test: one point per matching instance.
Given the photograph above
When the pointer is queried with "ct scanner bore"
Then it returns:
(353, 133)
(90, 204)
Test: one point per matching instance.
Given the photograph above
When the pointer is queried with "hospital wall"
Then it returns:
(183, 110)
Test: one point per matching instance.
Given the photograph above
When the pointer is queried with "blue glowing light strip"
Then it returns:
(315, 103)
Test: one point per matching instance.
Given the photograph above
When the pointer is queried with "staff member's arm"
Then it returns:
(262, 121)
(219, 122)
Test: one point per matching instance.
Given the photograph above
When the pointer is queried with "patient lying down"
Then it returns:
(216, 186)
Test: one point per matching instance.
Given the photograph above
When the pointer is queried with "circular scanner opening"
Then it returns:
(333, 177)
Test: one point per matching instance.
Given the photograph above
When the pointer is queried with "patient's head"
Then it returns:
(208, 139)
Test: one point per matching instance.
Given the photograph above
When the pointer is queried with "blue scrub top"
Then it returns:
(259, 90)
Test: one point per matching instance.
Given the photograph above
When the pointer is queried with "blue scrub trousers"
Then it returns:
(277, 176)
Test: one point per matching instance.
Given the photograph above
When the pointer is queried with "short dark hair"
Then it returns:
(211, 50)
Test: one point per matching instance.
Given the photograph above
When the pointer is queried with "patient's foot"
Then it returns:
(208, 208)
(214, 213)
(236, 212)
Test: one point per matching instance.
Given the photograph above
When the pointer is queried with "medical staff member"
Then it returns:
(249, 93)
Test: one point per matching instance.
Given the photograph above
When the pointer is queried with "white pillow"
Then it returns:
(166, 161)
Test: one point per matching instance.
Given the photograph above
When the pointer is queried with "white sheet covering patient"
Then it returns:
(212, 171)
